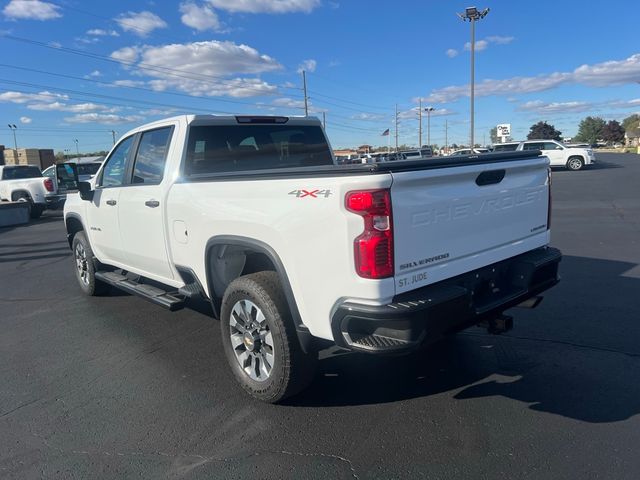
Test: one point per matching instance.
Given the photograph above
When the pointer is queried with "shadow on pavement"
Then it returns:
(584, 382)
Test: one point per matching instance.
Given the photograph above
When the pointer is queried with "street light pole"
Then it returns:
(429, 110)
(473, 14)
(77, 149)
(420, 121)
(13, 128)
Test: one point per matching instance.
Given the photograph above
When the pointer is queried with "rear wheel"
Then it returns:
(85, 266)
(260, 341)
(575, 163)
(24, 198)
(36, 211)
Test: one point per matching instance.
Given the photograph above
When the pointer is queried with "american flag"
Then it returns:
(385, 133)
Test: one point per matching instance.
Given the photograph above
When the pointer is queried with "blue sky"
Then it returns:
(77, 70)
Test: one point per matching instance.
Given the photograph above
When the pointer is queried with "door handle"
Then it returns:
(111, 202)
(152, 203)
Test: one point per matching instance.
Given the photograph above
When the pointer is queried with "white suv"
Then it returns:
(574, 158)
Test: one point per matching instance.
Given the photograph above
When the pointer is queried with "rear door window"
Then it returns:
(235, 148)
(151, 156)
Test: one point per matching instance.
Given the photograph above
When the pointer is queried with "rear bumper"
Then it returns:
(54, 202)
(429, 313)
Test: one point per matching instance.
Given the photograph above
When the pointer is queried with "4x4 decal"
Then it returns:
(310, 193)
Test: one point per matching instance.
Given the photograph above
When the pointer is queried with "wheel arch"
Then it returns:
(20, 191)
(74, 224)
(258, 256)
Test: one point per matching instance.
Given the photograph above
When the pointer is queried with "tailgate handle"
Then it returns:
(490, 177)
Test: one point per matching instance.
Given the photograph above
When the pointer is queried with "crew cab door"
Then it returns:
(142, 206)
(102, 211)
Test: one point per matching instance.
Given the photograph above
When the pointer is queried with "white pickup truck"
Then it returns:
(25, 183)
(295, 252)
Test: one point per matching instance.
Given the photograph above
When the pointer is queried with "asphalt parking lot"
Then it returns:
(115, 387)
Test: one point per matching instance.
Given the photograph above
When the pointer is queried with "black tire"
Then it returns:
(85, 267)
(23, 197)
(292, 370)
(575, 163)
(36, 211)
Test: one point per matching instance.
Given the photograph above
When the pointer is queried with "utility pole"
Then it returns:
(113, 134)
(77, 148)
(324, 121)
(304, 87)
(446, 136)
(473, 14)
(420, 122)
(396, 128)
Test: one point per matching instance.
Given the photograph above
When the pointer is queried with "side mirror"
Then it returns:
(66, 177)
(85, 190)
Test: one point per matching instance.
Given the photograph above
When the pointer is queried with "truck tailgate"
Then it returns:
(448, 221)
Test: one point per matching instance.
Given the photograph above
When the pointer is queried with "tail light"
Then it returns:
(549, 203)
(48, 184)
(373, 248)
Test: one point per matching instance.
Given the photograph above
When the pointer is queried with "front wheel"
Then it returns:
(575, 163)
(260, 341)
(85, 266)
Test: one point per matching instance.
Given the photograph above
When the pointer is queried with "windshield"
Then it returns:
(234, 148)
(16, 173)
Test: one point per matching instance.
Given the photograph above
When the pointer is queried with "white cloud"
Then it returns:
(265, 6)
(19, 97)
(140, 23)
(452, 52)
(31, 10)
(25, 120)
(613, 72)
(308, 65)
(200, 17)
(499, 40)
(126, 54)
(480, 45)
(368, 116)
(202, 68)
(412, 114)
(128, 83)
(538, 106)
(64, 107)
(99, 32)
(288, 102)
(610, 73)
(104, 119)
(94, 74)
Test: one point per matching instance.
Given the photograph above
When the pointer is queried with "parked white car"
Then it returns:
(296, 253)
(573, 158)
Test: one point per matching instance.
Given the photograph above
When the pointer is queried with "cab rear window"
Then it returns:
(234, 148)
(17, 173)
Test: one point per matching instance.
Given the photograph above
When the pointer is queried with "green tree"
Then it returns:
(613, 132)
(632, 121)
(590, 130)
(493, 134)
(543, 130)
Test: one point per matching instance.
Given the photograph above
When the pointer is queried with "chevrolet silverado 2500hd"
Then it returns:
(292, 250)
